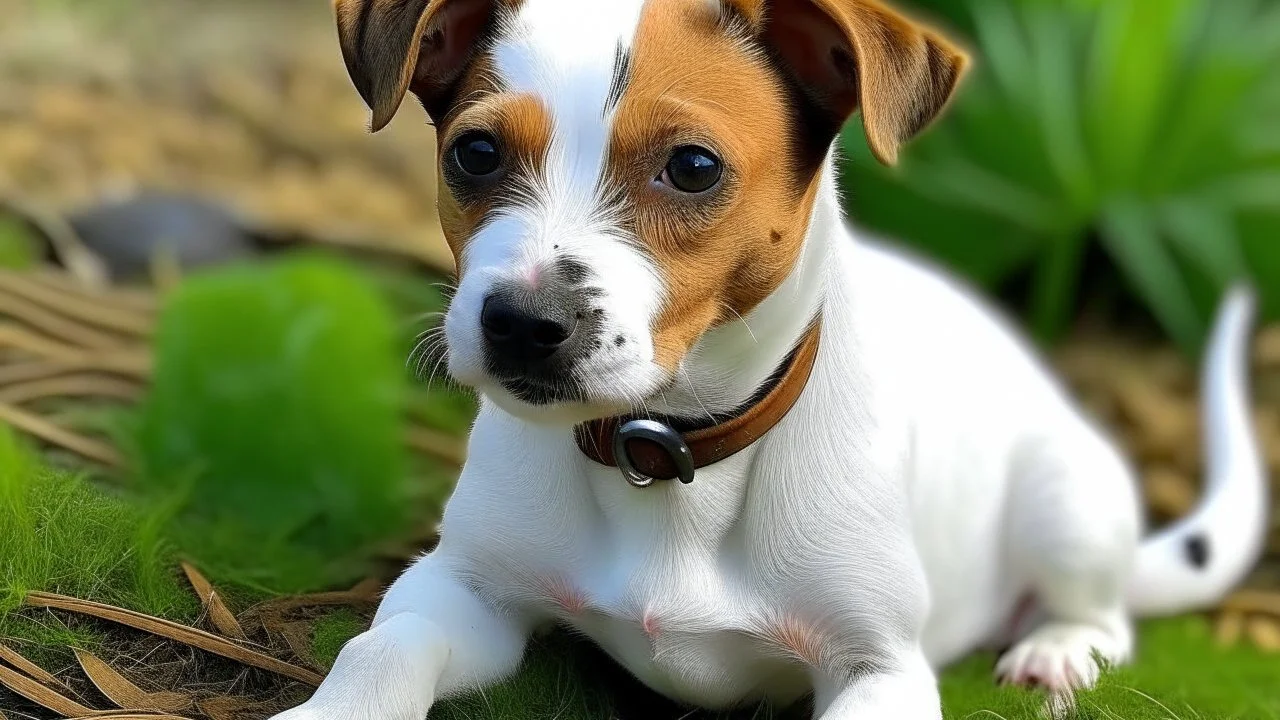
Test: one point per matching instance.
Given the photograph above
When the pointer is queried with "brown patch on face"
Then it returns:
(696, 82)
(519, 123)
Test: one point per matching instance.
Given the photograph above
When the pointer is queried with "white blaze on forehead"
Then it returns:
(564, 52)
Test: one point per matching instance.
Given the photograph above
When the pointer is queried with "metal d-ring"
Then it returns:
(664, 437)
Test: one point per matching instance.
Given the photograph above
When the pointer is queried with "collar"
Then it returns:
(646, 450)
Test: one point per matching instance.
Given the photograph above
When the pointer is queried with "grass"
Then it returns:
(59, 533)
(1181, 673)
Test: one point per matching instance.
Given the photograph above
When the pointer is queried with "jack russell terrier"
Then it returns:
(748, 454)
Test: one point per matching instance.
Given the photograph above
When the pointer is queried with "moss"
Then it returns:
(331, 632)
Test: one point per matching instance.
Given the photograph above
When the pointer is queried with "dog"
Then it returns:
(752, 456)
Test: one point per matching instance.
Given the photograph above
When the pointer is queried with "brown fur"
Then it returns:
(392, 46)
(765, 84)
(694, 83)
(523, 128)
(722, 254)
(899, 74)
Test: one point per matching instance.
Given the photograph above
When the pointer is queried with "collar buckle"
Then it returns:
(665, 437)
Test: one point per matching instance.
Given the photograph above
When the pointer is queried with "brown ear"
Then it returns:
(392, 46)
(850, 54)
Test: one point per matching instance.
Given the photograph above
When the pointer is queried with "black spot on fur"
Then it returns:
(619, 341)
(775, 237)
(1197, 549)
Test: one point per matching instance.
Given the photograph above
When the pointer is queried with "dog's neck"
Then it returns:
(728, 366)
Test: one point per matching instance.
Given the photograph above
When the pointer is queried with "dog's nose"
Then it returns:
(525, 330)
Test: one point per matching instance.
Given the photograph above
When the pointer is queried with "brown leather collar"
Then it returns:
(657, 452)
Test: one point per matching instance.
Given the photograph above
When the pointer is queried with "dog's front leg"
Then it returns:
(431, 637)
(905, 688)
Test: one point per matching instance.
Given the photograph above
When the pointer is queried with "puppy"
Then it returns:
(750, 455)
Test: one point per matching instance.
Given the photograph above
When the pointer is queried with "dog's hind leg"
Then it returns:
(1073, 526)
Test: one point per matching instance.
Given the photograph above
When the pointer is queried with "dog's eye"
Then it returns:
(692, 170)
(477, 153)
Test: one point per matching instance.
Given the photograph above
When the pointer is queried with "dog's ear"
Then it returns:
(851, 54)
(394, 46)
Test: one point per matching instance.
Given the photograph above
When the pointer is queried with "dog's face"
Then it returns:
(618, 177)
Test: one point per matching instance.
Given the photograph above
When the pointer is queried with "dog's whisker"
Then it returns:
(744, 322)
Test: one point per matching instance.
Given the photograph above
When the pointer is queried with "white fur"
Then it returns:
(931, 474)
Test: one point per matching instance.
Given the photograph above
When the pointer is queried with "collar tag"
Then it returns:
(665, 437)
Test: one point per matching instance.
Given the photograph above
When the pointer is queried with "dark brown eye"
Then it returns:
(476, 153)
(692, 170)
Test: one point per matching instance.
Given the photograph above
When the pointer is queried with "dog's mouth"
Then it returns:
(542, 391)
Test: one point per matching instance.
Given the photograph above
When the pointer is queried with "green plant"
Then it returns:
(1144, 128)
(274, 422)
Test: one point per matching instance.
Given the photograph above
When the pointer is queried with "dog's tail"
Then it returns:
(1195, 562)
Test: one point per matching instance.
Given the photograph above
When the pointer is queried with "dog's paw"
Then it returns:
(329, 709)
(1062, 658)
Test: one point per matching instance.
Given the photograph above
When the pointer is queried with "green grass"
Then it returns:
(1180, 674)
(58, 533)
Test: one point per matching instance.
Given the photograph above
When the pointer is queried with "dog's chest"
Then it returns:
(659, 580)
(681, 624)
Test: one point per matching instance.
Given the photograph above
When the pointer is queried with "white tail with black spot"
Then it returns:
(1196, 561)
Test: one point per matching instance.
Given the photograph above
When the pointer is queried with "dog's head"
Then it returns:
(619, 177)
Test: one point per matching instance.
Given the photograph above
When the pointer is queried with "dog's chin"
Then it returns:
(548, 403)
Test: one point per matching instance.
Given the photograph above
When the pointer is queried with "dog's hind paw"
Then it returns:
(1061, 658)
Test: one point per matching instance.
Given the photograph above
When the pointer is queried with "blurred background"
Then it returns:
(215, 284)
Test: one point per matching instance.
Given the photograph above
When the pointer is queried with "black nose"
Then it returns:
(524, 330)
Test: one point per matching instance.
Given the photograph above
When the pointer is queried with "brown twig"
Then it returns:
(82, 385)
(41, 695)
(33, 370)
(62, 328)
(121, 691)
(34, 671)
(364, 593)
(135, 300)
(221, 616)
(119, 319)
(47, 431)
(173, 631)
(134, 363)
